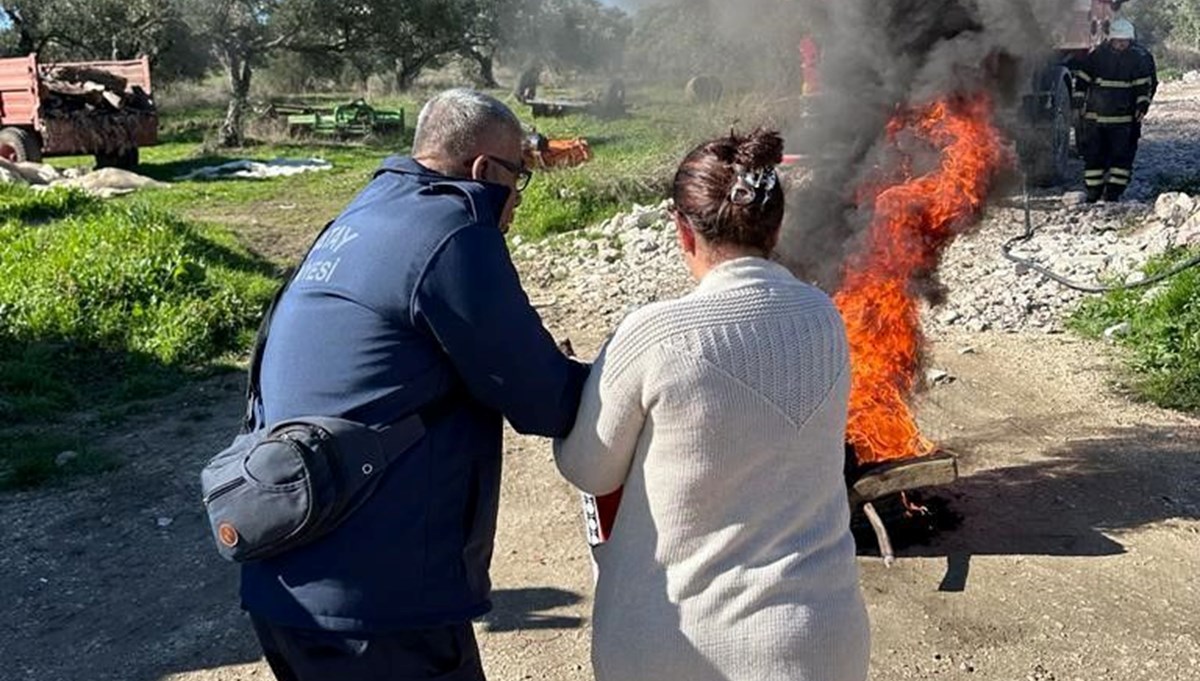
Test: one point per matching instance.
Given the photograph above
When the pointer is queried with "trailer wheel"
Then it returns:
(18, 145)
(1051, 146)
(126, 159)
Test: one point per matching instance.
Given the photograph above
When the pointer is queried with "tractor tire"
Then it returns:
(612, 105)
(19, 145)
(703, 90)
(1050, 143)
(527, 84)
(125, 160)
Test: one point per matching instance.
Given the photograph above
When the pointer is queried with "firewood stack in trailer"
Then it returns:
(101, 105)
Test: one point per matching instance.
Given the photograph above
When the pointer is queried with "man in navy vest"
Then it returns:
(408, 300)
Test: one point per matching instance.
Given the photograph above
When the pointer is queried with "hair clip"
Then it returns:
(742, 193)
(748, 184)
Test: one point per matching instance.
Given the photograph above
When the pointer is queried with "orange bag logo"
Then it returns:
(227, 534)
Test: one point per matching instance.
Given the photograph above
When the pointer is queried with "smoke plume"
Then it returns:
(875, 57)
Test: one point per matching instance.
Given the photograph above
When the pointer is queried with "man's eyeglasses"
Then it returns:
(523, 174)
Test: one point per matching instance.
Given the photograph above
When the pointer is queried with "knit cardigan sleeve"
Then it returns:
(596, 455)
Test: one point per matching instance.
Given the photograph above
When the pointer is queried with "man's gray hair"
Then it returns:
(454, 122)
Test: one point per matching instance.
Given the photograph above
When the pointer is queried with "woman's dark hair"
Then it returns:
(729, 192)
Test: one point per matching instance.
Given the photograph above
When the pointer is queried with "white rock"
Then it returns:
(11, 177)
(1171, 207)
(1117, 331)
(978, 325)
(938, 376)
(949, 317)
(1073, 199)
(39, 172)
(1189, 232)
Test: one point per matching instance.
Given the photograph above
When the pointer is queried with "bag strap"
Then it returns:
(253, 419)
(397, 437)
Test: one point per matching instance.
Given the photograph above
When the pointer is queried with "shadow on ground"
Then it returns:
(524, 609)
(1075, 502)
(115, 577)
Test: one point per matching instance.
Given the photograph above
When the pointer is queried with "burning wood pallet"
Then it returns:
(871, 483)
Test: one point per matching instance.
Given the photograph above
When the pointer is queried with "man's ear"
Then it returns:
(479, 168)
(687, 237)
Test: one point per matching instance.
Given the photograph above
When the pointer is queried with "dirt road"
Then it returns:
(1075, 560)
(1076, 557)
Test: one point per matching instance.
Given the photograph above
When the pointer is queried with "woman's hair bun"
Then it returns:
(759, 149)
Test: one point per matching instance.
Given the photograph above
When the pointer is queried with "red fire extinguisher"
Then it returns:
(599, 515)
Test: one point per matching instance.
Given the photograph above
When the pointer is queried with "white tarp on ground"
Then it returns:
(246, 168)
(105, 182)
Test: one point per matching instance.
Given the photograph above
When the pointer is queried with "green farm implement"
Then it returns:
(356, 119)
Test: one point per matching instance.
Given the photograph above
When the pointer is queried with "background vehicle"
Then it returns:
(102, 108)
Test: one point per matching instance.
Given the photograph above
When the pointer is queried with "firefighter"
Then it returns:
(1114, 85)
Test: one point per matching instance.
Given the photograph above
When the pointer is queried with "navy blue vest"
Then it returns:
(409, 294)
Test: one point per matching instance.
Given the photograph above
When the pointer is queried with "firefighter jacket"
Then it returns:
(1115, 87)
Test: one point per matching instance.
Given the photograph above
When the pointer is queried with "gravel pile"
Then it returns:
(1169, 150)
(593, 278)
(1091, 245)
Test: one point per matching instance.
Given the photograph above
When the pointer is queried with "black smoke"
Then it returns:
(881, 55)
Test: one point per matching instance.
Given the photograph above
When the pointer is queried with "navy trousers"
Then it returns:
(1108, 154)
(447, 653)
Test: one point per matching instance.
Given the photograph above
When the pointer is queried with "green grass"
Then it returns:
(32, 460)
(1164, 337)
(114, 302)
(107, 305)
(1167, 74)
(31, 207)
(634, 158)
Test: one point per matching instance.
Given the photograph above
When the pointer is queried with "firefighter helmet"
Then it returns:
(1121, 29)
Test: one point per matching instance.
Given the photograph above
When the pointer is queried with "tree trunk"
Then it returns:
(406, 74)
(26, 42)
(486, 62)
(230, 133)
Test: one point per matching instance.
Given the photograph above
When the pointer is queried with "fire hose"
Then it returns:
(1029, 264)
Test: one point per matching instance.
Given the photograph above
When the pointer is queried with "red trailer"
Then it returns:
(30, 128)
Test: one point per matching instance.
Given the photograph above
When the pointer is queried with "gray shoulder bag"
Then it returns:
(280, 487)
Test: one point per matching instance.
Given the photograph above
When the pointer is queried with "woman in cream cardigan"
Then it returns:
(722, 417)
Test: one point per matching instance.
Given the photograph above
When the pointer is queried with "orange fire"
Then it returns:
(913, 219)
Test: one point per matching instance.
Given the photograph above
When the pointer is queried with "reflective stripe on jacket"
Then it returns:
(1115, 86)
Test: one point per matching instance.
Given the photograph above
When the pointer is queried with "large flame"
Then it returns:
(913, 219)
